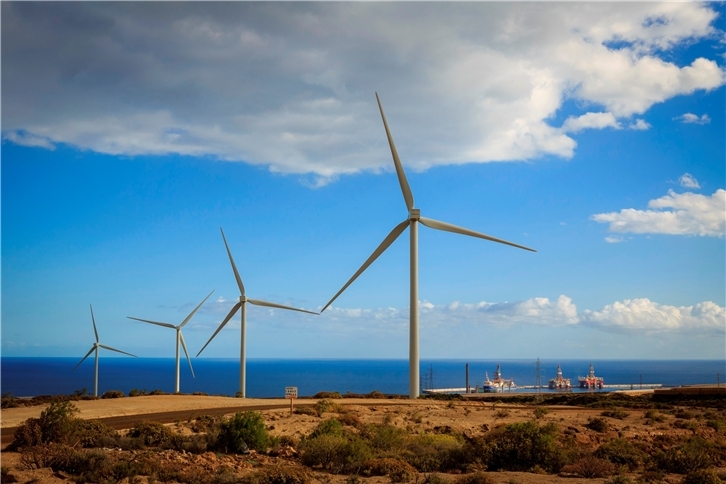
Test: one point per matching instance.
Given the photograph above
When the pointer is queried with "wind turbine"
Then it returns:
(179, 338)
(414, 216)
(95, 347)
(242, 304)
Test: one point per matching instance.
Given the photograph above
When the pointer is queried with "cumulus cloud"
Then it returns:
(690, 118)
(688, 181)
(639, 125)
(646, 315)
(291, 86)
(675, 214)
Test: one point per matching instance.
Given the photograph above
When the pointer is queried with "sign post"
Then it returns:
(291, 393)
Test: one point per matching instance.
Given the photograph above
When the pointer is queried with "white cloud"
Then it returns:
(291, 87)
(590, 120)
(689, 214)
(688, 181)
(639, 125)
(611, 239)
(690, 118)
(646, 315)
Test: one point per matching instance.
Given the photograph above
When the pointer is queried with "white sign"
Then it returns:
(290, 392)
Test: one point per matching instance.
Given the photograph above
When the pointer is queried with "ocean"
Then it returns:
(268, 378)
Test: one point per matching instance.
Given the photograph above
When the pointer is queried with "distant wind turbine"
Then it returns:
(95, 347)
(243, 300)
(414, 216)
(179, 338)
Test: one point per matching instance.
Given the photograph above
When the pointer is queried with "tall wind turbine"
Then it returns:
(243, 300)
(179, 338)
(95, 347)
(414, 216)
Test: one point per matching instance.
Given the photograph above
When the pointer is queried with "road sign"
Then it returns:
(290, 392)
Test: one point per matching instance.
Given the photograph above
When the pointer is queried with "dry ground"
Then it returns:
(471, 418)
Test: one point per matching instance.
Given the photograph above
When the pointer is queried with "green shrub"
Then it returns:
(350, 419)
(684, 414)
(397, 470)
(387, 438)
(8, 400)
(306, 410)
(151, 433)
(597, 424)
(590, 467)
(653, 416)
(336, 453)
(475, 478)
(325, 405)
(434, 452)
(55, 421)
(615, 413)
(329, 395)
(702, 476)
(540, 412)
(91, 433)
(520, 447)
(244, 430)
(715, 424)
(328, 427)
(278, 475)
(135, 392)
(696, 454)
(686, 425)
(621, 452)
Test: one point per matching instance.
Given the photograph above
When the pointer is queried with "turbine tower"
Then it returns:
(414, 217)
(243, 300)
(179, 338)
(95, 348)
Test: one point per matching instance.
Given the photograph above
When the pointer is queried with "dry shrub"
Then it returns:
(502, 414)
(621, 452)
(151, 433)
(652, 476)
(437, 452)
(278, 475)
(702, 476)
(540, 412)
(305, 410)
(695, 454)
(336, 453)
(29, 434)
(204, 423)
(325, 405)
(475, 478)
(328, 395)
(684, 414)
(589, 467)
(597, 424)
(398, 470)
(615, 413)
(350, 419)
(113, 394)
(433, 478)
(653, 416)
(91, 433)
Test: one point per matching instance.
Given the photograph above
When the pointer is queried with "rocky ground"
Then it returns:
(470, 419)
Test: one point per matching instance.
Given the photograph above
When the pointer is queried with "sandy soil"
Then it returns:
(470, 418)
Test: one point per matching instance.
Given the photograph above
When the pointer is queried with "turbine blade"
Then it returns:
(234, 267)
(390, 238)
(407, 195)
(257, 302)
(195, 310)
(435, 224)
(83, 359)
(184, 345)
(226, 320)
(94, 324)
(166, 325)
(117, 351)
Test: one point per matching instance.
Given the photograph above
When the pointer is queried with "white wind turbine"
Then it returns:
(414, 216)
(242, 304)
(95, 348)
(179, 338)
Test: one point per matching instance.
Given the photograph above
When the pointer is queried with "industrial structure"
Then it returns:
(591, 381)
(559, 382)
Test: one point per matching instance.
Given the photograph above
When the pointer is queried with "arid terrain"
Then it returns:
(630, 437)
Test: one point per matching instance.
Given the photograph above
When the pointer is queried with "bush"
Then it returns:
(350, 419)
(245, 430)
(135, 392)
(653, 416)
(306, 410)
(520, 447)
(28, 434)
(326, 405)
(694, 455)
(91, 433)
(475, 478)
(615, 413)
(540, 412)
(716, 424)
(502, 414)
(205, 423)
(8, 400)
(397, 470)
(278, 475)
(597, 424)
(113, 394)
(703, 476)
(652, 476)
(328, 427)
(438, 452)
(620, 480)
(328, 395)
(55, 421)
(684, 414)
(151, 433)
(387, 438)
(433, 479)
(686, 425)
(336, 453)
(590, 467)
(621, 452)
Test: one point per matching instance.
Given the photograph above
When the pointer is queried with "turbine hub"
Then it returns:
(243, 299)
(414, 214)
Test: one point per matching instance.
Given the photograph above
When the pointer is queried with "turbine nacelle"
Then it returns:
(414, 214)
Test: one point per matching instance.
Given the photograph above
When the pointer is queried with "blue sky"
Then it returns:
(593, 133)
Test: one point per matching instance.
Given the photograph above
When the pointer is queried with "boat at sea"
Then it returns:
(591, 381)
(498, 384)
(559, 382)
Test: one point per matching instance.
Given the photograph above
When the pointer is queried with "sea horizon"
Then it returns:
(267, 377)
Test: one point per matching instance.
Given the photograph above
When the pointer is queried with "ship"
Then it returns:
(591, 381)
(559, 382)
(498, 384)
